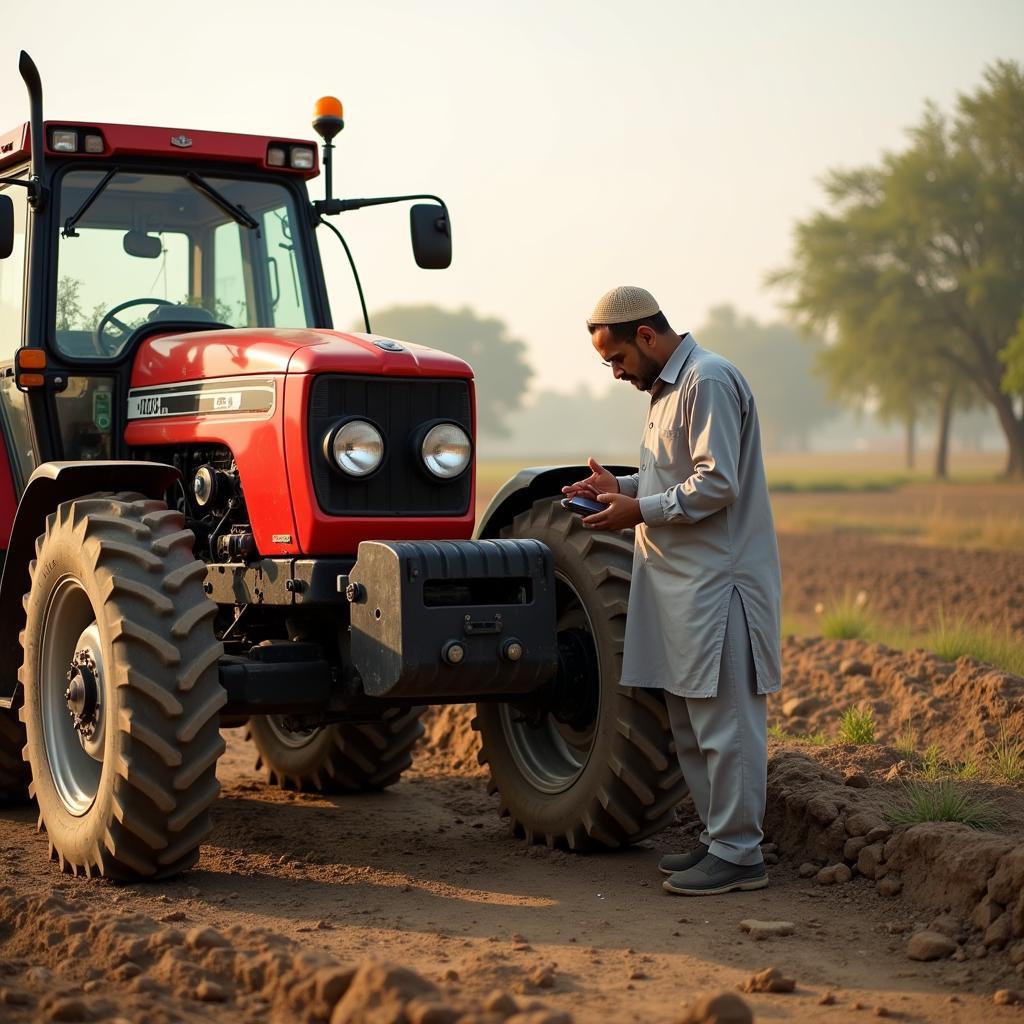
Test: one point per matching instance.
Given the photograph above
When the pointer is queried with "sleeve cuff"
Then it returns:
(652, 510)
(627, 485)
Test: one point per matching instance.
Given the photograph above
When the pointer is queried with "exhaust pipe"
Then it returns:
(30, 75)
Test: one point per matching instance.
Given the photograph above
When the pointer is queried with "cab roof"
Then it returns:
(172, 144)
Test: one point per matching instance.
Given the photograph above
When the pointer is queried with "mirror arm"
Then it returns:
(329, 207)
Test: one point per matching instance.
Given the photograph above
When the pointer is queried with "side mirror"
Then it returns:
(138, 243)
(6, 226)
(431, 236)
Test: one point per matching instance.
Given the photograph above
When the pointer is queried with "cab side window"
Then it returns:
(12, 280)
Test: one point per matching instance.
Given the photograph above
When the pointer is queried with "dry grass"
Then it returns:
(1006, 757)
(945, 800)
(846, 617)
(952, 638)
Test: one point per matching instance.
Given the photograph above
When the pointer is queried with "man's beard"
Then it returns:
(649, 373)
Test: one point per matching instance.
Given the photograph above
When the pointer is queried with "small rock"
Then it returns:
(985, 913)
(68, 1010)
(826, 999)
(205, 938)
(870, 860)
(637, 974)
(542, 976)
(890, 885)
(799, 707)
(500, 1002)
(771, 979)
(879, 834)
(860, 823)
(208, 991)
(835, 874)
(857, 780)
(1016, 953)
(517, 938)
(999, 933)
(450, 975)
(927, 945)
(854, 667)
(174, 915)
(807, 869)
(720, 1008)
(853, 846)
(880, 1011)
(766, 929)
(822, 810)
(1007, 997)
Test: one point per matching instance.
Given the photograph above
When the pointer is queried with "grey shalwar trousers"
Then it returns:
(722, 744)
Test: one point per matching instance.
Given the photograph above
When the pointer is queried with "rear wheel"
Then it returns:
(339, 758)
(121, 689)
(586, 763)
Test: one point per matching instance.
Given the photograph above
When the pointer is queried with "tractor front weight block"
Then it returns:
(440, 621)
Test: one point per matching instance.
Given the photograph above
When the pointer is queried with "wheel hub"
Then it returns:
(82, 693)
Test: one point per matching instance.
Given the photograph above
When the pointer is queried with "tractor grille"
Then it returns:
(399, 408)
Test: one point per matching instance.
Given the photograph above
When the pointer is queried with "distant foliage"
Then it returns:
(778, 362)
(498, 360)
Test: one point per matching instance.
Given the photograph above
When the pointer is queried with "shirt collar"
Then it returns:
(671, 370)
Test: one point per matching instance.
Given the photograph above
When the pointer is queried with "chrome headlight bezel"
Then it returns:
(340, 457)
(430, 456)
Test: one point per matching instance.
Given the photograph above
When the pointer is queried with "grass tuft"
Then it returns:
(932, 765)
(857, 725)
(1006, 757)
(907, 742)
(953, 638)
(846, 617)
(945, 801)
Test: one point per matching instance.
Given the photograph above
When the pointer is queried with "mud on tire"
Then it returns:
(339, 758)
(117, 590)
(606, 782)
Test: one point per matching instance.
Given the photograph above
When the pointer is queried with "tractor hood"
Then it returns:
(244, 351)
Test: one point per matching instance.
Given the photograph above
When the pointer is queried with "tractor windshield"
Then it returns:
(153, 247)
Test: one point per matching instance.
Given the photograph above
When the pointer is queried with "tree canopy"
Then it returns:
(916, 270)
(499, 361)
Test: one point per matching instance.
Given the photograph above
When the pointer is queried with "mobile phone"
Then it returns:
(583, 506)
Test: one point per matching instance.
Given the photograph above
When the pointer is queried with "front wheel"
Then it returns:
(121, 689)
(585, 763)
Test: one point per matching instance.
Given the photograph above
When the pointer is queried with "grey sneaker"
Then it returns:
(713, 876)
(673, 862)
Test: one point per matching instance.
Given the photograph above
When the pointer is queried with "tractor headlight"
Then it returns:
(446, 450)
(356, 448)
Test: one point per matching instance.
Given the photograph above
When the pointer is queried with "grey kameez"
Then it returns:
(707, 530)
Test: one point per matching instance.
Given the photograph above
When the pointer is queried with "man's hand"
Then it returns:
(600, 481)
(622, 513)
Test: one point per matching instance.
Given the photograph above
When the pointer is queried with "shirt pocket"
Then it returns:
(668, 446)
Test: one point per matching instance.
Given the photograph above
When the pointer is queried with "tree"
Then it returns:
(498, 361)
(779, 365)
(918, 270)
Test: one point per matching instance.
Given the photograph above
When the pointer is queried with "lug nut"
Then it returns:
(355, 592)
(512, 649)
(453, 652)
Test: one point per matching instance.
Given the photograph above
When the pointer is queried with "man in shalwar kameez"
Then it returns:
(704, 606)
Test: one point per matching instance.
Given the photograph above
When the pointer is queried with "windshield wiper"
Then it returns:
(69, 225)
(236, 213)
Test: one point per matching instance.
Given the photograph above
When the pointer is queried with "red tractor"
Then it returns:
(217, 511)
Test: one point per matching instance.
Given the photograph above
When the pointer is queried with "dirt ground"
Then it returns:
(905, 584)
(426, 876)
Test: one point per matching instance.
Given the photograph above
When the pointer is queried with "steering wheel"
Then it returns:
(110, 317)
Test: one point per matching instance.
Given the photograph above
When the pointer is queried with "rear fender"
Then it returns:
(50, 485)
(526, 487)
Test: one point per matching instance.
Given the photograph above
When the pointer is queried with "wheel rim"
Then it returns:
(550, 754)
(293, 739)
(72, 695)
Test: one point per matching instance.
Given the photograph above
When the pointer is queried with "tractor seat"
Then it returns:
(189, 313)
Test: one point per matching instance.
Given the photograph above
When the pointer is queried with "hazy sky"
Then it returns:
(578, 145)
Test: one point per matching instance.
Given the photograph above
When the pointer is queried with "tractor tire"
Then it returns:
(121, 689)
(339, 758)
(604, 773)
(14, 773)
